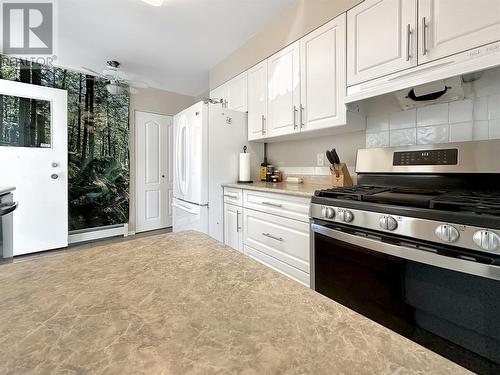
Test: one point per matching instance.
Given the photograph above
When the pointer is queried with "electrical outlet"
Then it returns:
(320, 160)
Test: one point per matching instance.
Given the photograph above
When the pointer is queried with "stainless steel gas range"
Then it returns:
(416, 246)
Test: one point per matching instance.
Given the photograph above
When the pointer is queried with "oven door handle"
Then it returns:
(416, 255)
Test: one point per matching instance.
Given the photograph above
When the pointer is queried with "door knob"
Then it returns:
(54, 176)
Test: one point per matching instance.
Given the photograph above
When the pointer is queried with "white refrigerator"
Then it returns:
(207, 143)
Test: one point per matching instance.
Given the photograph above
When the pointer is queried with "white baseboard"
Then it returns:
(98, 233)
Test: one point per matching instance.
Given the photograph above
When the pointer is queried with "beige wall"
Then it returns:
(156, 101)
(300, 19)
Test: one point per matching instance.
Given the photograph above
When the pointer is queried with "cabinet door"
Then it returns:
(381, 39)
(323, 76)
(233, 227)
(219, 93)
(236, 92)
(284, 91)
(452, 26)
(257, 101)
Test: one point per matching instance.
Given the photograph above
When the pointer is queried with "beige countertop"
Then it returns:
(185, 304)
(301, 190)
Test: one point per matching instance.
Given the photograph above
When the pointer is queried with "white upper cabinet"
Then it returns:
(236, 93)
(284, 91)
(323, 78)
(257, 101)
(452, 26)
(233, 93)
(381, 38)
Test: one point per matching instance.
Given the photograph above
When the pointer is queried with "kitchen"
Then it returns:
(379, 255)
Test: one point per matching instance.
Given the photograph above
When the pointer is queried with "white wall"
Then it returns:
(155, 101)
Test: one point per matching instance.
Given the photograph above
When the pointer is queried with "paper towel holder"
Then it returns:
(239, 181)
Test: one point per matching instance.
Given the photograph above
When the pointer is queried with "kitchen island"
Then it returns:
(185, 304)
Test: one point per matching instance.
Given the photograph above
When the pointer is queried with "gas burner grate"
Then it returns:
(350, 193)
(480, 203)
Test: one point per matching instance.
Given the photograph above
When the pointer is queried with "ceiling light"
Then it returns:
(155, 3)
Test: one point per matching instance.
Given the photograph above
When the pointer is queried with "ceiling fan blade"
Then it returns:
(92, 71)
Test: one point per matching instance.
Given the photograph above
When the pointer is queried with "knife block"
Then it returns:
(341, 176)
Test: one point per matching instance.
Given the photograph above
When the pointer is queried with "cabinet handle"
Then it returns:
(301, 116)
(295, 117)
(424, 36)
(408, 41)
(263, 125)
(272, 204)
(234, 196)
(268, 235)
(238, 228)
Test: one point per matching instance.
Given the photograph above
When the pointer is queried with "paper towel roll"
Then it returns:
(244, 167)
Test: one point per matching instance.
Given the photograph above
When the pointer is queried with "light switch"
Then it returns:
(320, 160)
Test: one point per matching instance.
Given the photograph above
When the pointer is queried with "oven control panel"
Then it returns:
(426, 157)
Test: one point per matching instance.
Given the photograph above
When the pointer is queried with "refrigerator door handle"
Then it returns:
(184, 208)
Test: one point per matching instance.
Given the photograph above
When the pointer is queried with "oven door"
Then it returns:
(436, 300)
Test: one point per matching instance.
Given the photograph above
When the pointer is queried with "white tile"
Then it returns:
(377, 123)
(404, 137)
(461, 132)
(481, 109)
(432, 115)
(403, 119)
(494, 107)
(433, 134)
(374, 140)
(488, 84)
(481, 130)
(461, 111)
(495, 129)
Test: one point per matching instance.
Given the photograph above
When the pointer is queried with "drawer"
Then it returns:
(233, 196)
(279, 266)
(280, 238)
(278, 204)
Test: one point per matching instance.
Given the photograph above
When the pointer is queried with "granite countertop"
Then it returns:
(301, 190)
(6, 189)
(185, 304)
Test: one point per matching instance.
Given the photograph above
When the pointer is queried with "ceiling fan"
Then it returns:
(117, 80)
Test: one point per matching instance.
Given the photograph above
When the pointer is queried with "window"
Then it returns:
(25, 122)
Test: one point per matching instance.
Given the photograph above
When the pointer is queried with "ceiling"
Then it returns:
(171, 47)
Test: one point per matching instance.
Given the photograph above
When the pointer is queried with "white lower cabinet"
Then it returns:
(233, 236)
(272, 229)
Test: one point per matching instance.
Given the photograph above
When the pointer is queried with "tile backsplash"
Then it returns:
(477, 117)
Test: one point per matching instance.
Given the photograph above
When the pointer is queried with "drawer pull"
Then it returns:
(234, 196)
(273, 237)
(272, 204)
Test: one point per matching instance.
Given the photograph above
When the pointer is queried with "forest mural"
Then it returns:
(98, 138)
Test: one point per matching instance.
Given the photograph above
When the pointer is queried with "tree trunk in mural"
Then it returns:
(1, 107)
(91, 130)
(79, 117)
(89, 104)
(37, 126)
(24, 107)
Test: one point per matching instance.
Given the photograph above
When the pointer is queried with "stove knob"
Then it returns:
(346, 216)
(388, 223)
(487, 240)
(328, 212)
(447, 233)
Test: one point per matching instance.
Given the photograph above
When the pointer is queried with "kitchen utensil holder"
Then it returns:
(341, 176)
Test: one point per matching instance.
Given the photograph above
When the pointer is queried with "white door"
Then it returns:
(40, 174)
(323, 76)
(284, 91)
(257, 101)
(452, 26)
(153, 172)
(381, 39)
(236, 91)
(233, 232)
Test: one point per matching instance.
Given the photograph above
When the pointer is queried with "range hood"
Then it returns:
(436, 81)
(442, 91)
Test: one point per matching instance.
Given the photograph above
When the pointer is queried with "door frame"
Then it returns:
(137, 201)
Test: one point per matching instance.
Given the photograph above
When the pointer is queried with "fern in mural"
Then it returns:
(98, 138)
